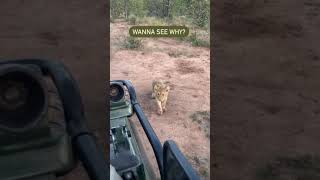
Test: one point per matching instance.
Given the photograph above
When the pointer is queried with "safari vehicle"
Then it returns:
(43, 129)
(125, 154)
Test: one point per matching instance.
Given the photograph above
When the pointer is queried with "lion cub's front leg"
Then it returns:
(164, 104)
(160, 111)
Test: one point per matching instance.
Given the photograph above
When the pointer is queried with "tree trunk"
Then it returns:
(126, 8)
(166, 4)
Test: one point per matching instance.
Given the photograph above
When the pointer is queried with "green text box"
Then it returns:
(158, 31)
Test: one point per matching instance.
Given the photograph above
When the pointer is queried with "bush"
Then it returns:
(196, 41)
(116, 8)
(182, 21)
(132, 20)
(151, 21)
(132, 43)
(200, 12)
(112, 19)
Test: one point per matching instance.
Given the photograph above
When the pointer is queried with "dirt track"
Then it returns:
(70, 31)
(187, 70)
(267, 84)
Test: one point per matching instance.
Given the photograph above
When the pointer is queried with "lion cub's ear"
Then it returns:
(167, 88)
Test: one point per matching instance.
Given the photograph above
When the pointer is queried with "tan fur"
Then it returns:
(160, 92)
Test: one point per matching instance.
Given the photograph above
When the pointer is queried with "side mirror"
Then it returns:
(176, 166)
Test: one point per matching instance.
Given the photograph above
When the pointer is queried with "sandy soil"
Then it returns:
(267, 84)
(188, 72)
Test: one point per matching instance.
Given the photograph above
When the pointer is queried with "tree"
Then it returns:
(126, 11)
(116, 8)
(165, 8)
(200, 10)
(155, 8)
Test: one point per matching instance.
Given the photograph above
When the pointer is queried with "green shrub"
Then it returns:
(132, 20)
(200, 12)
(152, 21)
(132, 43)
(195, 41)
(197, 11)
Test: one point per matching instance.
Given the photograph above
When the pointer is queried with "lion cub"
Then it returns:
(160, 92)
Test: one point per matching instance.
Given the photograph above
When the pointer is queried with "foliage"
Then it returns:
(196, 41)
(152, 21)
(112, 20)
(195, 10)
(137, 7)
(132, 19)
(154, 8)
(200, 12)
(132, 43)
(116, 8)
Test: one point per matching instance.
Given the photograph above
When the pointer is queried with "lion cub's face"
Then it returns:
(161, 90)
(162, 93)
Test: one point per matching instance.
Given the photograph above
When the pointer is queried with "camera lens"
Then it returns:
(116, 92)
(23, 98)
